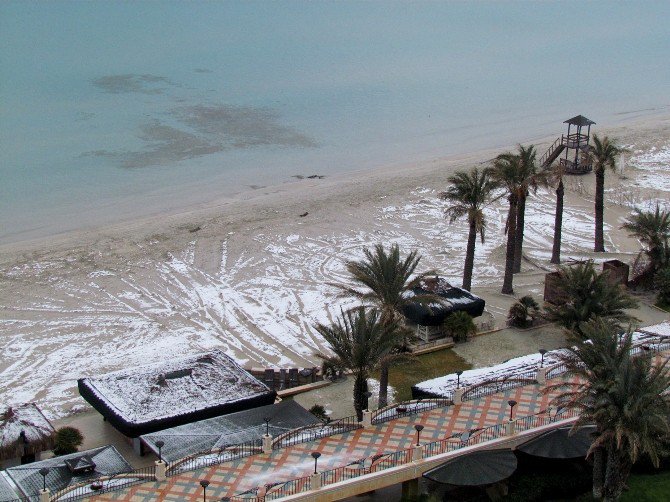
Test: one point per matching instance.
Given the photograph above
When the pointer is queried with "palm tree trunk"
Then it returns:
(470, 256)
(518, 237)
(600, 197)
(383, 384)
(598, 472)
(558, 224)
(616, 474)
(360, 389)
(507, 288)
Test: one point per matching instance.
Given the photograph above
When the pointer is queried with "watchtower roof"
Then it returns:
(579, 120)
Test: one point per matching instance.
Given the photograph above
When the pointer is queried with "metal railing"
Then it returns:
(248, 496)
(556, 370)
(498, 385)
(313, 432)
(215, 456)
(407, 408)
(104, 484)
(284, 489)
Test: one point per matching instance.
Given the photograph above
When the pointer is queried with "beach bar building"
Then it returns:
(159, 396)
(428, 319)
(24, 434)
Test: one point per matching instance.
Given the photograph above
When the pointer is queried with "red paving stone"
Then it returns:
(295, 461)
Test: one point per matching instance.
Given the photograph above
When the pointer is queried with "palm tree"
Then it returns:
(624, 396)
(603, 154)
(388, 282)
(556, 175)
(588, 295)
(530, 179)
(507, 172)
(653, 231)
(469, 193)
(359, 341)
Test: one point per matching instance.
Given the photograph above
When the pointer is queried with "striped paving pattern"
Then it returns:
(293, 462)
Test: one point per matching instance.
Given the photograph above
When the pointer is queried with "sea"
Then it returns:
(114, 110)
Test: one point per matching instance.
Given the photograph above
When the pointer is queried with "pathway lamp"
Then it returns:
(418, 428)
(512, 403)
(160, 445)
(204, 483)
(315, 456)
(542, 353)
(267, 425)
(44, 471)
(367, 395)
(458, 378)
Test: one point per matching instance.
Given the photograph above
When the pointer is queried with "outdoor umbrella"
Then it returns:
(475, 469)
(560, 443)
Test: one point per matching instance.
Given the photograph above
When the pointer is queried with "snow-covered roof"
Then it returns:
(444, 386)
(108, 461)
(662, 329)
(149, 398)
(38, 433)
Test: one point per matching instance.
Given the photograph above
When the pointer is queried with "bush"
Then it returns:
(459, 325)
(319, 412)
(662, 283)
(68, 440)
(523, 313)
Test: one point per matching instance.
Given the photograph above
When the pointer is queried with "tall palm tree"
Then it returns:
(603, 154)
(469, 193)
(507, 172)
(653, 231)
(388, 281)
(624, 396)
(359, 341)
(588, 294)
(530, 179)
(556, 175)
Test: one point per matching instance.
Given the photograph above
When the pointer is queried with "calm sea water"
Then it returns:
(118, 109)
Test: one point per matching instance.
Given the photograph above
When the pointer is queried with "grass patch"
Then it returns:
(663, 306)
(423, 367)
(647, 487)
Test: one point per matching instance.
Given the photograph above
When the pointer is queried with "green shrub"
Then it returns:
(68, 440)
(459, 325)
(319, 412)
(662, 284)
(523, 313)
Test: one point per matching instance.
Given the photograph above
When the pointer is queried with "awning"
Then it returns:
(479, 468)
(560, 443)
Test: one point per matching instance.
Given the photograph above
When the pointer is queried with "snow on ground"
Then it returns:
(255, 295)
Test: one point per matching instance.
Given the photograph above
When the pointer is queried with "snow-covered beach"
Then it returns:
(250, 275)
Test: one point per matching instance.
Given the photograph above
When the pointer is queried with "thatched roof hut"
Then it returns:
(24, 430)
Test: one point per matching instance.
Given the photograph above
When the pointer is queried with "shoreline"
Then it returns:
(212, 208)
(255, 276)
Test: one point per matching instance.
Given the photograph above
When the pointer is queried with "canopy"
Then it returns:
(560, 443)
(453, 300)
(579, 120)
(479, 468)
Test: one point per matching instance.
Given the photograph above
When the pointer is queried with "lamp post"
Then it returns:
(204, 483)
(160, 445)
(458, 378)
(315, 456)
(512, 403)
(267, 425)
(542, 353)
(418, 428)
(367, 395)
(44, 471)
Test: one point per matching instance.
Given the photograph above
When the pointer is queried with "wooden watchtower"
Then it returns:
(573, 143)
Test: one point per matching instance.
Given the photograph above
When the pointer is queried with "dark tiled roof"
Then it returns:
(231, 429)
(108, 461)
(579, 120)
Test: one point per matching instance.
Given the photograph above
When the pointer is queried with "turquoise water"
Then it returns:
(111, 110)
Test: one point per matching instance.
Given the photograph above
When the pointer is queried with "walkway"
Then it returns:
(294, 462)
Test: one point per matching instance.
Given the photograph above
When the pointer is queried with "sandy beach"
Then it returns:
(250, 274)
